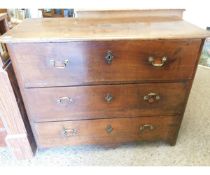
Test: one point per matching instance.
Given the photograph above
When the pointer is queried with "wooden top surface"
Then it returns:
(80, 29)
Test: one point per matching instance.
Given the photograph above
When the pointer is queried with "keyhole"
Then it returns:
(109, 57)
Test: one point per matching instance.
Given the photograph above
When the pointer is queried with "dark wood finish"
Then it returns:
(69, 97)
(173, 141)
(86, 62)
(3, 23)
(96, 131)
(89, 102)
(3, 29)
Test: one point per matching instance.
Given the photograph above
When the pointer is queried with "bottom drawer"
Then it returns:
(105, 131)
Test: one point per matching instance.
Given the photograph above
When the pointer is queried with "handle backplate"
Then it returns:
(64, 100)
(157, 62)
(145, 127)
(152, 97)
(69, 132)
(59, 64)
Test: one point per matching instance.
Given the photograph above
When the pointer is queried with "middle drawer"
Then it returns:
(105, 101)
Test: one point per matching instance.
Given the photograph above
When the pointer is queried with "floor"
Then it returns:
(205, 55)
(193, 145)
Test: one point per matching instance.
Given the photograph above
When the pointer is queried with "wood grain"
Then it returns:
(82, 29)
(95, 131)
(20, 146)
(88, 102)
(8, 105)
(17, 138)
(86, 78)
(167, 13)
(13, 81)
(87, 63)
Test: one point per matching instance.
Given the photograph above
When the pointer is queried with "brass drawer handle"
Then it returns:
(149, 127)
(151, 97)
(64, 100)
(109, 57)
(109, 129)
(108, 98)
(59, 64)
(69, 132)
(155, 63)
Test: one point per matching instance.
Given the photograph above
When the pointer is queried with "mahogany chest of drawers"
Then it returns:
(105, 81)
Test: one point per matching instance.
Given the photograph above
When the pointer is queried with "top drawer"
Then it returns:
(97, 62)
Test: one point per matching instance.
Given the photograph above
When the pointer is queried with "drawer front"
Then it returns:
(105, 101)
(105, 131)
(97, 62)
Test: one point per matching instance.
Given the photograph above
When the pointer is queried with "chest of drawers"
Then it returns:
(105, 81)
